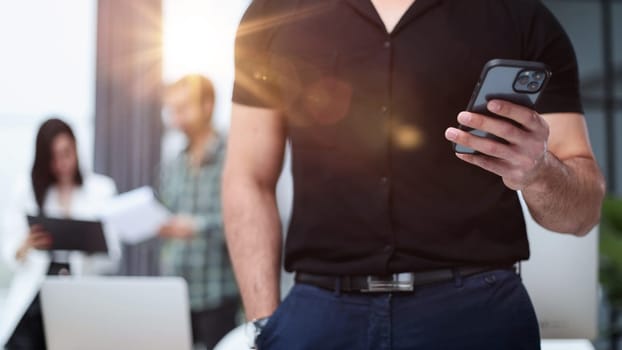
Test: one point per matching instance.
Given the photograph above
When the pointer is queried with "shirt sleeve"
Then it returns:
(14, 225)
(163, 187)
(256, 82)
(546, 41)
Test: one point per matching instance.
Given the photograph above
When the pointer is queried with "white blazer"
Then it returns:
(86, 204)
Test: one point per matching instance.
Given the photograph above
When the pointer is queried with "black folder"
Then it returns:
(73, 235)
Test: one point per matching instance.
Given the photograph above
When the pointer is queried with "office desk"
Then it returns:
(569, 344)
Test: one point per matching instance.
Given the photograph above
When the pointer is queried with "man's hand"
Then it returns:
(548, 158)
(180, 226)
(519, 163)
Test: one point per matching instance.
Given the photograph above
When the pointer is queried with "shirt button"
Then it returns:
(384, 180)
(388, 248)
(384, 109)
(387, 44)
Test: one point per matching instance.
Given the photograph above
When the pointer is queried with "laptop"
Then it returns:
(103, 313)
(562, 280)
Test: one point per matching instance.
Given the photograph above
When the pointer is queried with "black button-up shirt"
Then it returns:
(377, 188)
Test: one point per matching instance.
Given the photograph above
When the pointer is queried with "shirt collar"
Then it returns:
(367, 9)
(212, 147)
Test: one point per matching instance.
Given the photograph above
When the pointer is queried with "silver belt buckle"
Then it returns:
(398, 282)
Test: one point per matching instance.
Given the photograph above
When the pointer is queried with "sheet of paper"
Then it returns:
(136, 215)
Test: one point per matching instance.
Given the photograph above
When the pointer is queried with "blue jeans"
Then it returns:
(486, 311)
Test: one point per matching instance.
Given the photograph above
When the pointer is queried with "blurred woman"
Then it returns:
(57, 188)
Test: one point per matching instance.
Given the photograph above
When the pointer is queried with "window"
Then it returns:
(198, 37)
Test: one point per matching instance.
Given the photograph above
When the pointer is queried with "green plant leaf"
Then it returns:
(611, 249)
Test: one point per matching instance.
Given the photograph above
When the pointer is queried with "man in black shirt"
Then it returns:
(396, 241)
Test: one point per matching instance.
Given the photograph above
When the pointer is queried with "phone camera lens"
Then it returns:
(533, 86)
(523, 79)
(538, 76)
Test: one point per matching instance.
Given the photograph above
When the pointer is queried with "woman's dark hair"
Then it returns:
(42, 176)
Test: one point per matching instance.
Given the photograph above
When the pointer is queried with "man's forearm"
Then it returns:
(567, 196)
(254, 239)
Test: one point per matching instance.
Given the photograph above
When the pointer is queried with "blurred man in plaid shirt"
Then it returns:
(193, 241)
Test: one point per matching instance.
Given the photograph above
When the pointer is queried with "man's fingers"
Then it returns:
(522, 115)
(495, 166)
(165, 230)
(495, 126)
(481, 144)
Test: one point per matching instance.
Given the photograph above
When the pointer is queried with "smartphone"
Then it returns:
(519, 82)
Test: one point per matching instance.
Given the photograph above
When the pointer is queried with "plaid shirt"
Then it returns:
(202, 260)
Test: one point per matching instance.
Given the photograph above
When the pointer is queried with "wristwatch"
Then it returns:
(254, 329)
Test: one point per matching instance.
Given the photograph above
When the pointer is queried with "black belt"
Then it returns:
(399, 282)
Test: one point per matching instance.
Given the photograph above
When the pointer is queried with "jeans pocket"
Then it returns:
(515, 300)
(271, 328)
(497, 278)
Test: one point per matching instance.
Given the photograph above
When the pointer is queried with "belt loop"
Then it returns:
(338, 286)
(457, 277)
